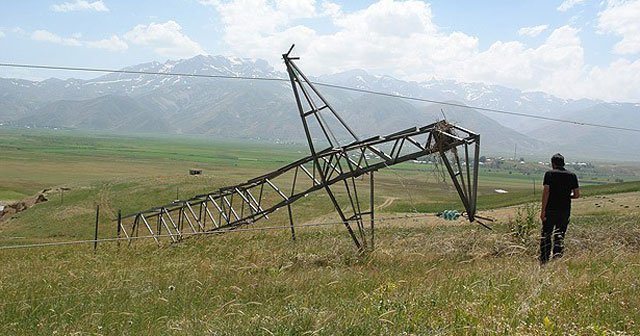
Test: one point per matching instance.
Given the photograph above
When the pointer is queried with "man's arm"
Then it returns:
(545, 199)
(575, 193)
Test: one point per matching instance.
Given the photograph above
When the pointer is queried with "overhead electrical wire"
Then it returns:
(524, 115)
(134, 72)
(190, 234)
(340, 87)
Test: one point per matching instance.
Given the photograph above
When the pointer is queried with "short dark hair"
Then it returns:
(557, 160)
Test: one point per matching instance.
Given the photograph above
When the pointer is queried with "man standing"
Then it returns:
(560, 186)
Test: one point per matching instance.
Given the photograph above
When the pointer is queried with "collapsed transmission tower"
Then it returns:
(337, 158)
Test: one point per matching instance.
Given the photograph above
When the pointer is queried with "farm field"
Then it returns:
(426, 276)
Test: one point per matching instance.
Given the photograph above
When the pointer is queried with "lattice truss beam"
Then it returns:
(337, 164)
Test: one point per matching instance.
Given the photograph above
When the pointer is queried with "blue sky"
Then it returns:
(569, 48)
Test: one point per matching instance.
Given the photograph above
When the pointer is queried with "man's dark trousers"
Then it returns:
(554, 226)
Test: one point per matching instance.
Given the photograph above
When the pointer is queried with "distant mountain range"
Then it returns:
(265, 110)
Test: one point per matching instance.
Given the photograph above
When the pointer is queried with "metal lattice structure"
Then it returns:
(337, 158)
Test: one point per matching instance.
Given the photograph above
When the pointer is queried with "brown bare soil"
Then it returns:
(14, 208)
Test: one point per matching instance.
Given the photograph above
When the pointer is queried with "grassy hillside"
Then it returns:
(425, 277)
(421, 279)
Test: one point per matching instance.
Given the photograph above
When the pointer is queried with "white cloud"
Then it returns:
(270, 22)
(383, 31)
(46, 36)
(399, 38)
(167, 39)
(622, 18)
(391, 18)
(331, 9)
(112, 44)
(4, 32)
(80, 5)
(619, 81)
(568, 4)
(296, 9)
(532, 31)
(549, 67)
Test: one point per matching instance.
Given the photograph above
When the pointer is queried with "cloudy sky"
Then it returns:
(569, 48)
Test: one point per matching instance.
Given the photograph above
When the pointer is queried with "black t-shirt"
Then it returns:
(560, 182)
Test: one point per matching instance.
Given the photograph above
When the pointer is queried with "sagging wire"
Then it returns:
(190, 234)
(335, 86)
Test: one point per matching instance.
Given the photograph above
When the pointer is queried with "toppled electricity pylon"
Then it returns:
(337, 157)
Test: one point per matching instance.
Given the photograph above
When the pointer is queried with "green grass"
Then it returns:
(33, 160)
(422, 278)
(419, 280)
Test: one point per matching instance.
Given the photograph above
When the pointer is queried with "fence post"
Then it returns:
(119, 226)
(95, 236)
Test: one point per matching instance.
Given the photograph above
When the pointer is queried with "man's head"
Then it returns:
(557, 161)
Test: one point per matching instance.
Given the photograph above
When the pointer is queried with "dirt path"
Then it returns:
(387, 202)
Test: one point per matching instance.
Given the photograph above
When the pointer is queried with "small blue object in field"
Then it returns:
(450, 214)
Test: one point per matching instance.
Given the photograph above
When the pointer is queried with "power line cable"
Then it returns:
(335, 86)
(135, 72)
(486, 109)
(190, 234)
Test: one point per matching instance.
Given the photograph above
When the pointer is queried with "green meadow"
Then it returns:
(425, 276)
